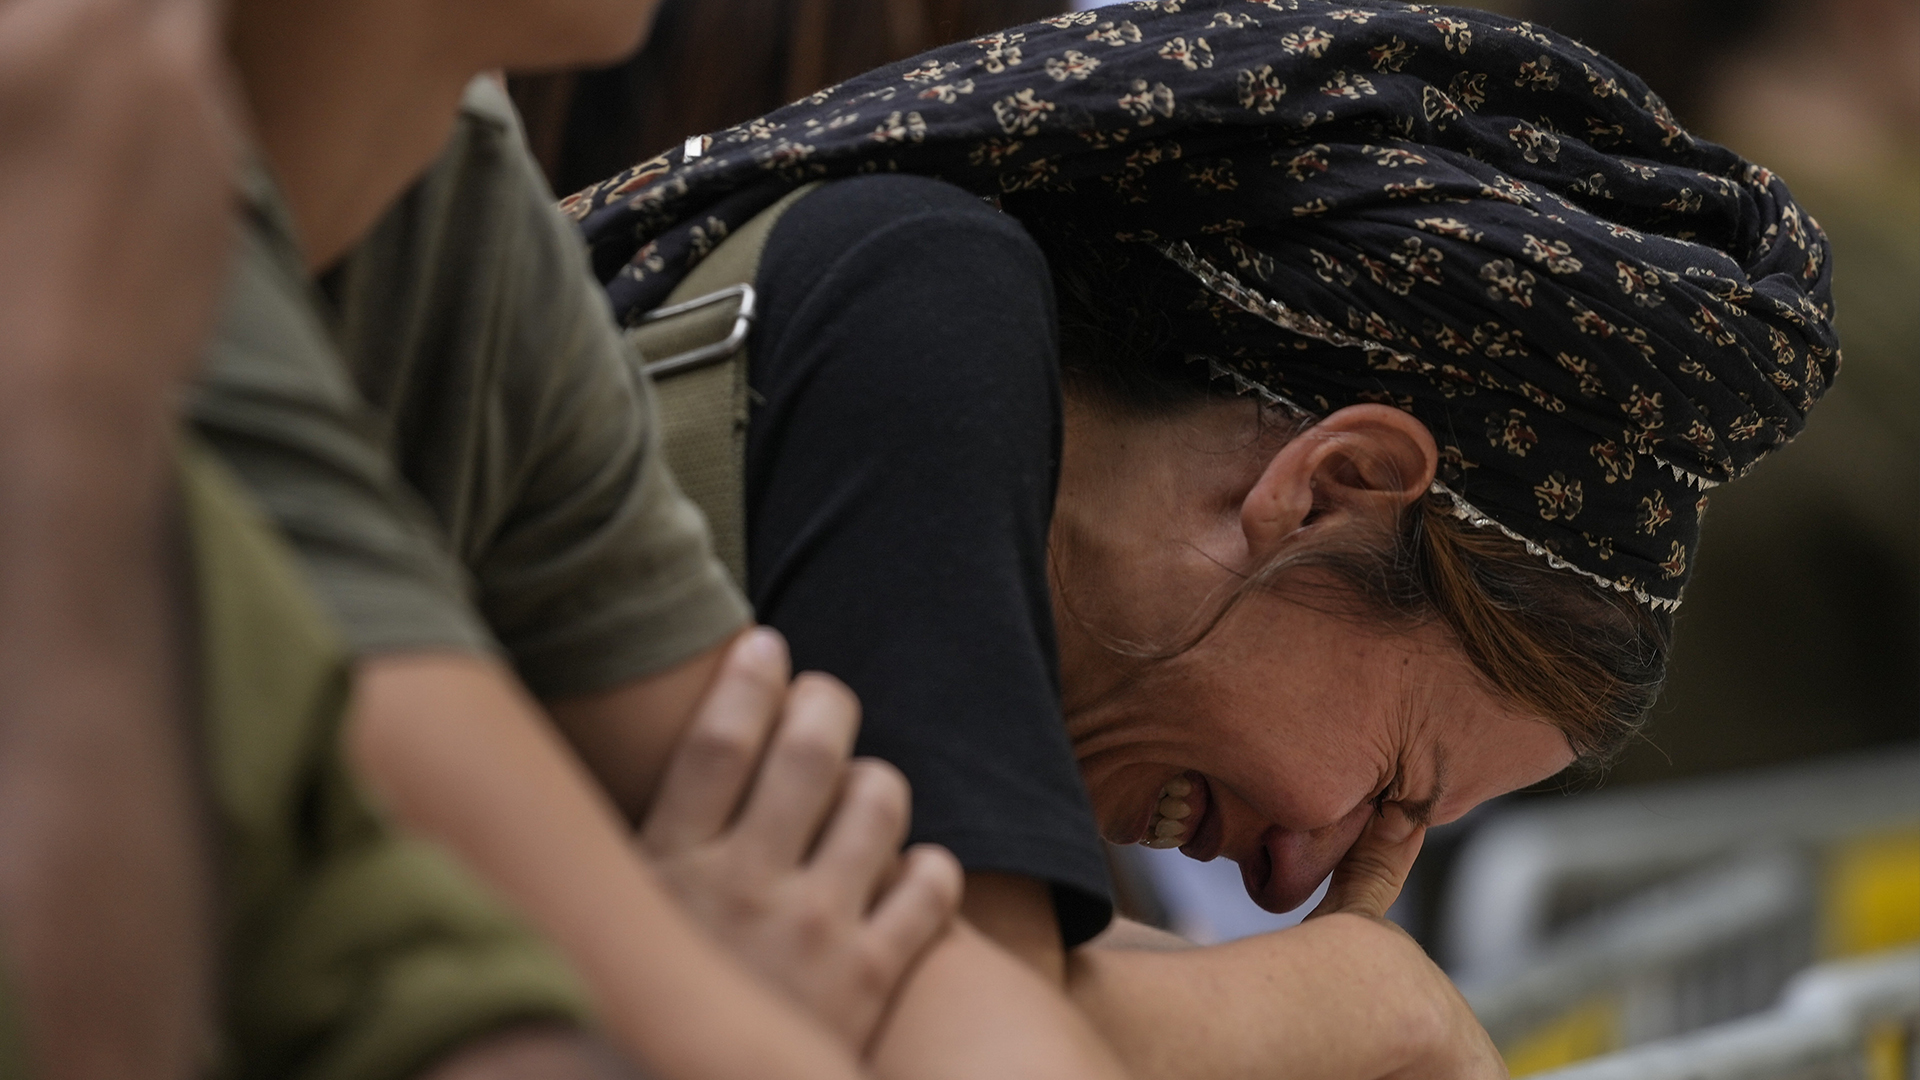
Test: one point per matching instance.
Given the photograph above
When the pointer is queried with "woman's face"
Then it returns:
(1271, 739)
(1289, 726)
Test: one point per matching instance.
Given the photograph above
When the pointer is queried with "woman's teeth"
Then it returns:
(1170, 825)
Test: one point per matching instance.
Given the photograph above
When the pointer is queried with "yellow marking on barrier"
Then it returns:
(1585, 1031)
(1871, 893)
(1886, 1054)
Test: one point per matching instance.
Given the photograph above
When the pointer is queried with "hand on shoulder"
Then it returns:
(787, 852)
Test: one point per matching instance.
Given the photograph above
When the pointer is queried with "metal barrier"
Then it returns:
(1607, 921)
(1853, 1020)
(1710, 946)
(1534, 870)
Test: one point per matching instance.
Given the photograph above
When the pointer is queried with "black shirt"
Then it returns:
(901, 464)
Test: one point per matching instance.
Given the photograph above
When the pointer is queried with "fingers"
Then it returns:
(915, 912)
(801, 779)
(714, 762)
(1369, 878)
(923, 899)
(913, 897)
(860, 847)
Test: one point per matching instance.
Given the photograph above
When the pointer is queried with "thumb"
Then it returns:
(1369, 877)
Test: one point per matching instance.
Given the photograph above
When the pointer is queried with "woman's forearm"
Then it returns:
(971, 1011)
(1336, 998)
(462, 755)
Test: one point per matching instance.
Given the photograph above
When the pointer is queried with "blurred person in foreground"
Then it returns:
(189, 883)
(709, 64)
(1801, 634)
(1396, 349)
(418, 379)
(106, 895)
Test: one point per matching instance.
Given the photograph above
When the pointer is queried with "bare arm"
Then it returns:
(106, 287)
(972, 1011)
(625, 735)
(1344, 996)
(1341, 998)
(105, 878)
(969, 1009)
(1349, 998)
(461, 754)
(534, 1053)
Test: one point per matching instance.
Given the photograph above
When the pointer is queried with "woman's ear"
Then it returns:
(1361, 461)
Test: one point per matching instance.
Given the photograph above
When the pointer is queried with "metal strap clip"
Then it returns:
(710, 353)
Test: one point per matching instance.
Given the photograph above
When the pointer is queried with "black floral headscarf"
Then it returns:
(1483, 223)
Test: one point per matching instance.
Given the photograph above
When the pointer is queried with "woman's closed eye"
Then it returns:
(1387, 794)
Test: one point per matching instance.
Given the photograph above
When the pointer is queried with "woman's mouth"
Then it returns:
(1177, 813)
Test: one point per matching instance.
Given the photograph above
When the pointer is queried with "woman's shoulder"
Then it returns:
(910, 297)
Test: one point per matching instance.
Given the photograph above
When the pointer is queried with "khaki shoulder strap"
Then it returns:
(695, 349)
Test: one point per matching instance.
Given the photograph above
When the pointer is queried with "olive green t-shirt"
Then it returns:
(450, 432)
(352, 952)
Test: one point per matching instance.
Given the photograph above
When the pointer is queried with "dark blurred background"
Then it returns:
(711, 64)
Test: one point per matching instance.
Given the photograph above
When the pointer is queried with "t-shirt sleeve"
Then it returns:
(453, 436)
(900, 474)
(352, 951)
(603, 570)
(471, 318)
(274, 400)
